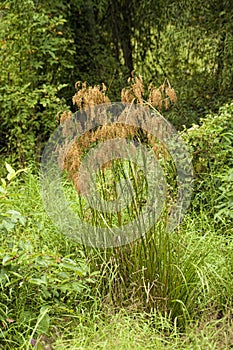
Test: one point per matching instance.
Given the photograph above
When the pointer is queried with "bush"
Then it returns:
(39, 280)
(211, 145)
(36, 58)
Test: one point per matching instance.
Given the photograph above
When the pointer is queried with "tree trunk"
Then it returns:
(121, 13)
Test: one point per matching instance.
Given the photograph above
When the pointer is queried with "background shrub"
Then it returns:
(212, 151)
(36, 56)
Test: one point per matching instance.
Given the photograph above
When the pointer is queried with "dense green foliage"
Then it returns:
(164, 281)
(165, 290)
(211, 145)
(45, 45)
(36, 59)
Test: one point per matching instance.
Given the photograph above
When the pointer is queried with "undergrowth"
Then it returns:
(48, 288)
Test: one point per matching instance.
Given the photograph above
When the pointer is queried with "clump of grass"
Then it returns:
(173, 273)
(181, 274)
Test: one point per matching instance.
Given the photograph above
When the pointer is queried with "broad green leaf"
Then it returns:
(38, 281)
(8, 225)
(3, 183)
(6, 259)
(9, 168)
